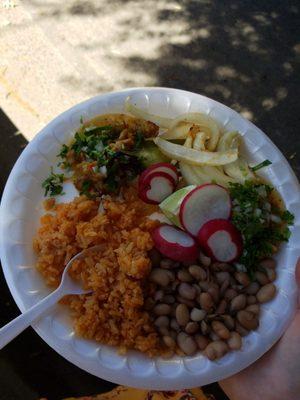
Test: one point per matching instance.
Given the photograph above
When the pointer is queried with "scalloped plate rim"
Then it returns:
(125, 377)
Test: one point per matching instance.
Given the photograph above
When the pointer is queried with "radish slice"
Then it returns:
(156, 187)
(205, 202)
(160, 167)
(175, 244)
(220, 239)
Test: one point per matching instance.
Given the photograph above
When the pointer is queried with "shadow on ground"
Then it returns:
(11, 145)
(243, 54)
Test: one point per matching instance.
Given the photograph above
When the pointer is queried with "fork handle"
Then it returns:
(9, 331)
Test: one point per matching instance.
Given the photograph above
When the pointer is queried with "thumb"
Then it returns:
(297, 275)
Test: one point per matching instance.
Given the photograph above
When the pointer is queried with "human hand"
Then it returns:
(276, 375)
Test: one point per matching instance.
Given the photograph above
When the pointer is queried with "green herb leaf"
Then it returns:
(85, 188)
(251, 216)
(261, 165)
(63, 155)
(288, 217)
(91, 140)
(94, 143)
(63, 151)
(53, 184)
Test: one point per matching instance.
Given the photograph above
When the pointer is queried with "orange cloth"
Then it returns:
(124, 393)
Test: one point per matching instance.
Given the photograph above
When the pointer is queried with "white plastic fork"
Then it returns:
(67, 286)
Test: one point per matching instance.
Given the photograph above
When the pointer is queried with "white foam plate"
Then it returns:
(19, 219)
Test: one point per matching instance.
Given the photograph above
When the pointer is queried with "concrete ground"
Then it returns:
(56, 53)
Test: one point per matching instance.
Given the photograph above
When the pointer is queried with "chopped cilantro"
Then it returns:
(251, 216)
(287, 217)
(261, 165)
(93, 143)
(91, 140)
(53, 184)
(85, 188)
(63, 151)
(63, 155)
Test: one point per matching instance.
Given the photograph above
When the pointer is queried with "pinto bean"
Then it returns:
(162, 309)
(186, 343)
(251, 300)
(218, 267)
(162, 321)
(169, 342)
(230, 294)
(247, 319)
(222, 276)
(197, 288)
(187, 291)
(215, 293)
(206, 301)
(204, 260)
(261, 278)
(235, 341)
(271, 274)
(240, 329)
(171, 275)
(182, 314)
(213, 336)
(197, 314)
(184, 276)
(174, 325)
(266, 293)
(202, 341)
(224, 287)
(253, 288)
(242, 278)
(164, 331)
(221, 309)
(160, 276)
(191, 327)
(198, 272)
(228, 321)
(211, 317)
(189, 303)
(205, 328)
(220, 329)
(238, 303)
(215, 350)
(204, 285)
(254, 308)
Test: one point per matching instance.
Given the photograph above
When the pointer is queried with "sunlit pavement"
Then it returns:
(243, 53)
